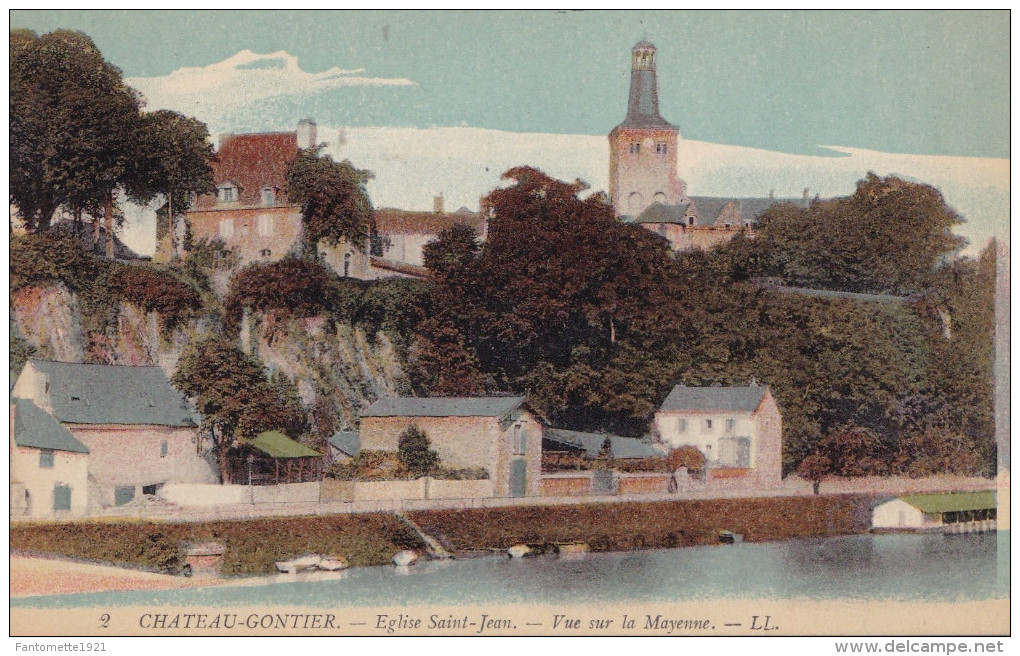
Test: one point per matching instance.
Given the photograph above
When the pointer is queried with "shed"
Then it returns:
(934, 511)
(344, 444)
(271, 458)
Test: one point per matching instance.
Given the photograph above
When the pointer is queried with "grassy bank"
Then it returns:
(252, 545)
(625, 526)
(372, 539)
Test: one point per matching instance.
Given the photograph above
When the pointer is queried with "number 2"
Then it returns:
(104, 620)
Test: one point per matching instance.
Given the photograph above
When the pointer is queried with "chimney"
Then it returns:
(306, 134)
(437, 204)
(806, 201)
(772, 194)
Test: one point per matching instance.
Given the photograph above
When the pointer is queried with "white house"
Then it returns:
(49, 467)
(739, 430)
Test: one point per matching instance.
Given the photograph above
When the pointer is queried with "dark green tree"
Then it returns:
(413, 450)
(814, 468)
(334, 203)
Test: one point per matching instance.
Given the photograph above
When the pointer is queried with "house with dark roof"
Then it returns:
(49, 466)
(498, 433)
(343, 445)
(738, 429)
(588, 445)
(139, 431)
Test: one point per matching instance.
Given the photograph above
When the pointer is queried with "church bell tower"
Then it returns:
(643, 149)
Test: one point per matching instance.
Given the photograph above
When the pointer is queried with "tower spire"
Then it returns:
(643, 104)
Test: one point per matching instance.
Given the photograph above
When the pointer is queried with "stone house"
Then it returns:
(500, 434)
(49, 467)
(139, 431)
(739, 430)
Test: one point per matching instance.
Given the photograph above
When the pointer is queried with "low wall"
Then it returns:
(204, 494)
(446, 489)
(286, 492)
(422, 488)
(566, 485)
(643, 483)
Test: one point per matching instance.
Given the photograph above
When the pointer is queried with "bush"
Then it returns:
(414, 452)
(291, 286)
(370, 466)
(160, 291)
(460, 474)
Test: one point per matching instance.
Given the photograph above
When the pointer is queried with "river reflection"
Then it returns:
(871, 567)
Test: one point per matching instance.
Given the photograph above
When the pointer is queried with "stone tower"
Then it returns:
(642, 149)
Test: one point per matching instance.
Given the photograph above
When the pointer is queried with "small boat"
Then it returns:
(571, 548)
(519, 551)
(405, 558)
(333, 563)
(729, 537)
(293, 566)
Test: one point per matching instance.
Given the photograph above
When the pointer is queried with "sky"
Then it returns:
(444, 102)
(931, 83)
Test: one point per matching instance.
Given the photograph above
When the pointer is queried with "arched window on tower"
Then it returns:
(347, 265)
(635, 202)
(659, 198)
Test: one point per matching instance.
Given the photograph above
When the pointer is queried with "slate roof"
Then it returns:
(453, 406)
(107, 394)
(277, 445)
(709, 207)
(659, 213)
(36, 428)
(737, 399)
(347, 441)
(952, 501)
(623, 447)
(252, 161)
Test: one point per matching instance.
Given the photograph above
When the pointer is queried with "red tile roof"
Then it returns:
(391, 221)
(253, 161)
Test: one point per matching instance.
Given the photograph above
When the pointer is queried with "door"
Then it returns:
(518, 478)
(61, 497)
(602, 482)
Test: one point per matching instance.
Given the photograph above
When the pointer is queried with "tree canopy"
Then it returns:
(334, 203)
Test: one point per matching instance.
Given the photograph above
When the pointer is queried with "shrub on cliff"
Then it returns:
(291, 286)
(158, 291)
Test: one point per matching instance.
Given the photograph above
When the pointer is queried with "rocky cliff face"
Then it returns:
(338, 368)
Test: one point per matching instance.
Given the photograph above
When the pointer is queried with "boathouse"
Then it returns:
(950, 512)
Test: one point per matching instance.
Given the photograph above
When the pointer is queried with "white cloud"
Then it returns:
(212, 93)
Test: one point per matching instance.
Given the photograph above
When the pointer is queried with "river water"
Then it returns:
(867, 567)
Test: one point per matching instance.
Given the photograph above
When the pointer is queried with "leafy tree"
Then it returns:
(74, 129)
(686, 456)
(855, 451)
(452, 250)
(224, 382)
(274, 406)
(173, 160)
(413, 449)
(291, 286)
(334, 203)
(889, 236)
(814, 468)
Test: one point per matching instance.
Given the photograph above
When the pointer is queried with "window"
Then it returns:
(151, 490)
(520, 440)
(265, 252)
(227, 228)
(163, 449)
(730, 425)
(46, 459)
(681, 425)
(265, 225)
(347, 264)
(227, 193)
(635, 148)
(708, 424)
(661, 148)
(268, 196)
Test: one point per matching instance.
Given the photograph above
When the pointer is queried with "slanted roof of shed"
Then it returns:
(453, 406)
(738, 399)
(277, 445)
(623, 447)
(951, 501)
(36, 428)
(108, 394)
(347, 441)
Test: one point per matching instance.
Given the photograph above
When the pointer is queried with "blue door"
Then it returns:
(61, 497)
(519, 478)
